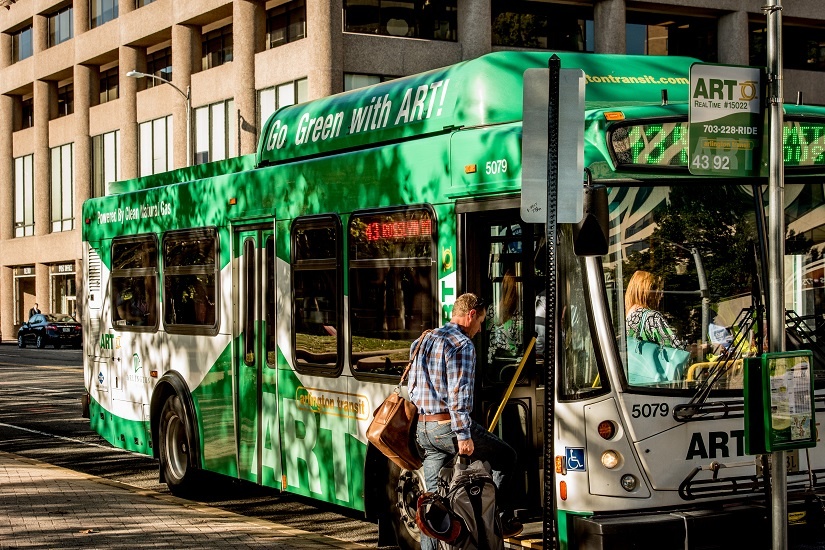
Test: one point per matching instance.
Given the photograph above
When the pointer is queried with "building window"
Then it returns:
(105, 161)
(215, 132)
(102, 11)
(21, 44)
(159, 64)
(60, 26)
(802, 47)
(316, 292)
(190, 281)
(669, 34)
(24, 196)
(65, 100)
(542, 25)
(353, 81)
(141, 3)
(62, 195)
(217, 47)
(109, 81)
(27, 113)
(155, 146)
(272, 99)
(286, 23)
(430, 19)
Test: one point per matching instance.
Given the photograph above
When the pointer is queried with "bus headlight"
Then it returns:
(611, 459)
(629, 482)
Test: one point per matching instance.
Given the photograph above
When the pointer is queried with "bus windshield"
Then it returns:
(684, 276)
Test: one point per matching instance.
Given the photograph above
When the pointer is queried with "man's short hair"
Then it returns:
(467, 302)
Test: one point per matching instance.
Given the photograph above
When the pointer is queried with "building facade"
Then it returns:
(93, 91)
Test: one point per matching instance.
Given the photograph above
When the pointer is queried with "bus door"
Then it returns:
(254, 359)
(505, 264)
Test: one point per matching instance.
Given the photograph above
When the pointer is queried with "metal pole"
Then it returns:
(188, 126)
(703, 290)
(550, 354)
(776, 254)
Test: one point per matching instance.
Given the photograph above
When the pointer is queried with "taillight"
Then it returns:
(51, 327)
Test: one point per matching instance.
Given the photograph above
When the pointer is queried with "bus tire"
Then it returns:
(175, 456)
(403, 490)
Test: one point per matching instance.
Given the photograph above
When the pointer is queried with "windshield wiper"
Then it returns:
(740, 344)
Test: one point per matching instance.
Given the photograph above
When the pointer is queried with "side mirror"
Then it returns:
(590, 235)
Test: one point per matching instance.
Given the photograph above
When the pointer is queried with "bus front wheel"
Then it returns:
(175, 463)
(403, 490)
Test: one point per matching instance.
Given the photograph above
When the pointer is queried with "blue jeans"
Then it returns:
(440, 446)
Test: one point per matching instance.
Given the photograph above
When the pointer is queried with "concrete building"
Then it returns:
(72, 118)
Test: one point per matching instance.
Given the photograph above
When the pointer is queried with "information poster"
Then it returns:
(791, 399)
(725, 121)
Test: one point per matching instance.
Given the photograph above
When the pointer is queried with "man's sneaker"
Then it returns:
(510, 527)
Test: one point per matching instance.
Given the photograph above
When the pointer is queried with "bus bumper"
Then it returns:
(740, 527)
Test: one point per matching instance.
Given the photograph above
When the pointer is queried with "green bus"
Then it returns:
(246, 317)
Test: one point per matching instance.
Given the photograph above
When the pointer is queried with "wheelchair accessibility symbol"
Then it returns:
(575, 459)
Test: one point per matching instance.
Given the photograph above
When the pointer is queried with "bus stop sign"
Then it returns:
(534, 143)
(725, 120)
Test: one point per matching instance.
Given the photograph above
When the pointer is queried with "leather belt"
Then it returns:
(434, 417)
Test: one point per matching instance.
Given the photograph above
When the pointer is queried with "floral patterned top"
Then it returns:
(656, 328)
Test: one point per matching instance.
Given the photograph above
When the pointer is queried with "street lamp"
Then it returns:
(186, 96)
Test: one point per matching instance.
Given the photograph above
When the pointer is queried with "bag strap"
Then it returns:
(412, 358)
(641, 329)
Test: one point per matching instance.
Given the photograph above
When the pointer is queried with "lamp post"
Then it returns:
(187, 97)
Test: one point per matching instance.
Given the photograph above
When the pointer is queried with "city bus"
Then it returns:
(246, 317)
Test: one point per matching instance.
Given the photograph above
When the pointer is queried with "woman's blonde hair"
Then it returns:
(644, 289)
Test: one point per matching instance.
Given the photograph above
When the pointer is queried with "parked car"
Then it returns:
(45, 329)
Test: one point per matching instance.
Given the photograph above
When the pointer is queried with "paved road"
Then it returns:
(40, 419)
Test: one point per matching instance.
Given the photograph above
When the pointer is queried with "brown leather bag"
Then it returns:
(392, 429)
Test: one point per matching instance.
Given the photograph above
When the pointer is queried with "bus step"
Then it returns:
(530, 537)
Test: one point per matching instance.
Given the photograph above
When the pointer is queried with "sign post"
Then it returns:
(725, 121)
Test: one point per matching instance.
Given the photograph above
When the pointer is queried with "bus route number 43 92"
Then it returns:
(704, 162)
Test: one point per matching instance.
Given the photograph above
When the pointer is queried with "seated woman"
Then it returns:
(644, 323)
(506, 331)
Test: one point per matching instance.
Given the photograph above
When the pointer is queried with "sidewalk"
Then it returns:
(48, 507)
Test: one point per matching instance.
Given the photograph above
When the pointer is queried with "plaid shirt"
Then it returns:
(442, 376)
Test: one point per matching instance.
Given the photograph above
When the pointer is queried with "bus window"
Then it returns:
(316, 253)
(505, 316)
(190, 281)
(580, 376)
(248, 300)
(693, 246)
(391, 271)
(269, 304)
(134, 283)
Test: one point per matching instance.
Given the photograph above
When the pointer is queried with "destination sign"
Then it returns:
(666, 144)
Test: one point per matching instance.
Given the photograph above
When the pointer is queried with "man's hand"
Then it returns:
(466, 447)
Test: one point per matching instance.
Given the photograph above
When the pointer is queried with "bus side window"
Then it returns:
(391, 286)
(316, 293)
(190, 281)
(135, 283)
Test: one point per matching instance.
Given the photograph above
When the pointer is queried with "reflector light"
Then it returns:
(607, 429)
(153, 373)
(233, 201)
(614, 115)
(560, 465)
(470, 169)
(629, 482)
(563, 490)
